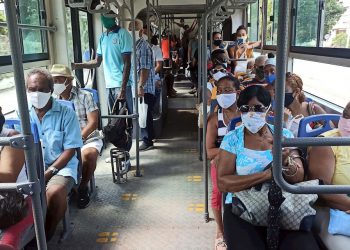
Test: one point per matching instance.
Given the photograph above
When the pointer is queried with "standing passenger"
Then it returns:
(145, 82)
(115, 48)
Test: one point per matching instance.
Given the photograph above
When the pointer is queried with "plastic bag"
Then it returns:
(142, 113)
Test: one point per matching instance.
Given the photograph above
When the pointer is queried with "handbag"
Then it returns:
(296, 212)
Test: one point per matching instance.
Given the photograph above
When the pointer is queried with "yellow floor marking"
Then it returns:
(103, 234)
(198, 208)
(129, 197)
(114, 234)
(195, 178)
(113, 239)
(102, 240)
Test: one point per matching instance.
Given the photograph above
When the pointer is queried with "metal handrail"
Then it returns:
(29, 150)
(279, 141)
(32, 27)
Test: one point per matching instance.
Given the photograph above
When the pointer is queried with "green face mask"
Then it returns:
(108, 22)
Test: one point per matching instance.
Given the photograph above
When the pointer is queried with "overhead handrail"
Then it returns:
(279, 141)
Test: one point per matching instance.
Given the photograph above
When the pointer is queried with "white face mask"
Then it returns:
(137, 34)
(293, 124)
(145, 37)
(254, 121)
(226, 100)
(208, 108)
(59, 88)
(218, 75)
(38, 99)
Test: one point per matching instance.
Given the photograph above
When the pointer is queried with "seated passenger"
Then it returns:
(219, 57)
(218, 71)
(243, 157)
(296, 105)
(270, 69)
(87, 112)
(259, 76)
(12, 204)
(227, 91)
(60, 132)
(331, 164)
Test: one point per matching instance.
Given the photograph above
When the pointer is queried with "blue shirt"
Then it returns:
(248, 161)
(111, 47)
(144, 60)
(59, 130)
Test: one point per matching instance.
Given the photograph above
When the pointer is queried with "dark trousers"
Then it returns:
(147, 133)
(241, 235)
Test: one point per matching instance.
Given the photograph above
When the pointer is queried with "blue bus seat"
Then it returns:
(326, 119)
(22, 233)
(233, 122)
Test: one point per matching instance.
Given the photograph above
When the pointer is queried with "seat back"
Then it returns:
(233, 122)
(326, 119)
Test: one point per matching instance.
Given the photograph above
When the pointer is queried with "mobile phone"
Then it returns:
(240, 41)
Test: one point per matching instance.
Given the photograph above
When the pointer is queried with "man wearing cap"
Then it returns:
(115, 48)
(88, 114)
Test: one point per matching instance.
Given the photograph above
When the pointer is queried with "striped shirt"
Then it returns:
(144, 60)
(83, 104)
(222, 127)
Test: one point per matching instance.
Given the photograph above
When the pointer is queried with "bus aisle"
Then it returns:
(161, 210)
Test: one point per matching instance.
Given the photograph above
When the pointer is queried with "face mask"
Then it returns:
(59, 88)
(259, 73)
(218, 75)
(293, 124)
(145, 37)
(38, 99)
(108, 22)
(288, 99)
(226, 100)
(208, 108)
(217, 42)
(344, 127)
(253, 121)
(270, 78)
(137, 34)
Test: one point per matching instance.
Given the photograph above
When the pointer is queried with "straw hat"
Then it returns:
(61, 70)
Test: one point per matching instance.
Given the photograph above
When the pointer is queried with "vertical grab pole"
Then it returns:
(281, 62)
(17, 63)
(148, 22)
(205, 114)
(137, 174)
(200, 84)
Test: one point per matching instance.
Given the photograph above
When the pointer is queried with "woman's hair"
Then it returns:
(216, 55)
(215, 33)
(242, 27)
(154, 40)
(236, 83)
(254, 91)
(13, 208)
(295, 82)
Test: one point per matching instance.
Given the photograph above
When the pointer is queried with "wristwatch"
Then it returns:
(53, 170)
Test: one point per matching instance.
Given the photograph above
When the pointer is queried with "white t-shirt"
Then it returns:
(157, 54)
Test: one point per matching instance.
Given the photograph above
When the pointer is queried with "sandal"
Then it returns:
(220, 244)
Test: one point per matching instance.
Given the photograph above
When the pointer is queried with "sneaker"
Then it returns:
(145, 147)
(193, 91)
(83, 198)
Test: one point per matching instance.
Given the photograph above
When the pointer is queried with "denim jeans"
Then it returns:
(112, 95)
(147, 133)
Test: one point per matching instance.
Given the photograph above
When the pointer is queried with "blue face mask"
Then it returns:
(270, 78)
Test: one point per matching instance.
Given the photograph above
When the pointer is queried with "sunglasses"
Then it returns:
(254, 108)
(217, 70)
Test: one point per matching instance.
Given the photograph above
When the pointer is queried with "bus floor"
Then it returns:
(164, 209)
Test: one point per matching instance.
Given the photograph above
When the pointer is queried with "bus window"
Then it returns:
(331, 85)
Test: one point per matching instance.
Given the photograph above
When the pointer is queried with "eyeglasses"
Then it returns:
(217, 70)
(254, 108)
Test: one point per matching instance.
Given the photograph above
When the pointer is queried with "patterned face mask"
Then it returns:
(254, 121)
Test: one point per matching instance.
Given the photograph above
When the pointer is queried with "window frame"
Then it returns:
(27, 58)
(318, 50)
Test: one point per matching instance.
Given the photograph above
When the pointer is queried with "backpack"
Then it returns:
(119, 130)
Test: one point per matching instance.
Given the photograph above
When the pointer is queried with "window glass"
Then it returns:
(336, 28)
(8, 91)
(271, 22)
(330, 85)
(253, 20)
(5, 49)
(30, 14)
(306, 25)
(69, 35)
(85, 47)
